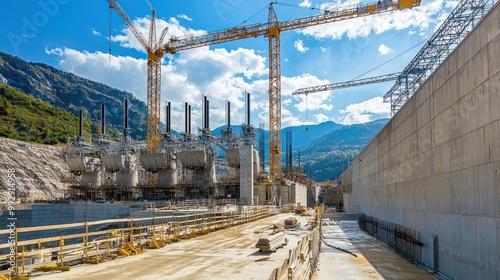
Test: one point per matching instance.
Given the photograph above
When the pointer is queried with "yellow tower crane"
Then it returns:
(152, 47)
(272, 30)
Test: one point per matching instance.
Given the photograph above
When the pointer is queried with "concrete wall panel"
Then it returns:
(494, 147)
(493, 24)
(436, 166)
(496, 168)
(492, 87)
(486, 191)
(480, 64)
(465, 79)
(488, 233)
(423, 114)
(493, 50)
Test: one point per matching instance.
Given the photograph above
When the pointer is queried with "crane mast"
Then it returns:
(274, 95)
(272, 30)
(153, 133)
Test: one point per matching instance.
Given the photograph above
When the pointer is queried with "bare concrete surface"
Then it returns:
(374, 259)
(225, 254)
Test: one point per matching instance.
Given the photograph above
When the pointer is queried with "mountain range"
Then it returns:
(325, 148)
(73, 93)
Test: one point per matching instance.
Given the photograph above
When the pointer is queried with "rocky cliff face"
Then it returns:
(39, 169)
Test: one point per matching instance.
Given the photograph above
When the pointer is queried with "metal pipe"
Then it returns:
(189, 119)
(166, 117)
(103, 120)
(126, 114)
(287, 150)
(186, 117)
(299, 163)
(169, 119)
(125, 125)
(262, 152)
(291, 152)
(228, 114)
(204, 112)
(208, 114)
(248, 108)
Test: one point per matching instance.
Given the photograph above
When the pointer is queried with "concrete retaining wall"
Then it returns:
(435, 167)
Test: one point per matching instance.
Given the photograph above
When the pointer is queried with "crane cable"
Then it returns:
(282, 4)
(307, 128)
(298, 6)
(382, 64)
(254, 15)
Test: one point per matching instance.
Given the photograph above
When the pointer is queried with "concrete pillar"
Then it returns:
(168, 177)
(246, 173)
(256, 166)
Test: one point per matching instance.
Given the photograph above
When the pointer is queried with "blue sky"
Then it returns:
(73, 35)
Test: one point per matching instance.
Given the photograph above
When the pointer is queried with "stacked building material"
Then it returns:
(291, 223)
(272, 242)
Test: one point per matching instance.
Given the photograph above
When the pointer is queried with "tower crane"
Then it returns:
(453, 30)
(351, 83)
(272, 30)
(152, 47)
(359, 82)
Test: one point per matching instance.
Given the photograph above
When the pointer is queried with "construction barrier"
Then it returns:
(303, 260)
(63, 245)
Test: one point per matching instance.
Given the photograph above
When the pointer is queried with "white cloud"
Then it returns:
(286, 60)
(315, 101)
(321, 118)
(183, 16)
(451, 3)
(286, 102)
(182, 79)
(290, 119)
(218, 73)
(322, 49)
(365, 111)
(305, 4)
(299, 45)
(97, 33)
(419, 17)
(231, 73)
(128, 40)
(383, 49)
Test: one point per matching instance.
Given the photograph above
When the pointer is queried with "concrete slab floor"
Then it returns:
(375, 260)
(225, 254)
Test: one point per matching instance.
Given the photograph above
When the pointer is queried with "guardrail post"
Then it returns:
(16, 267)
(86, 241)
